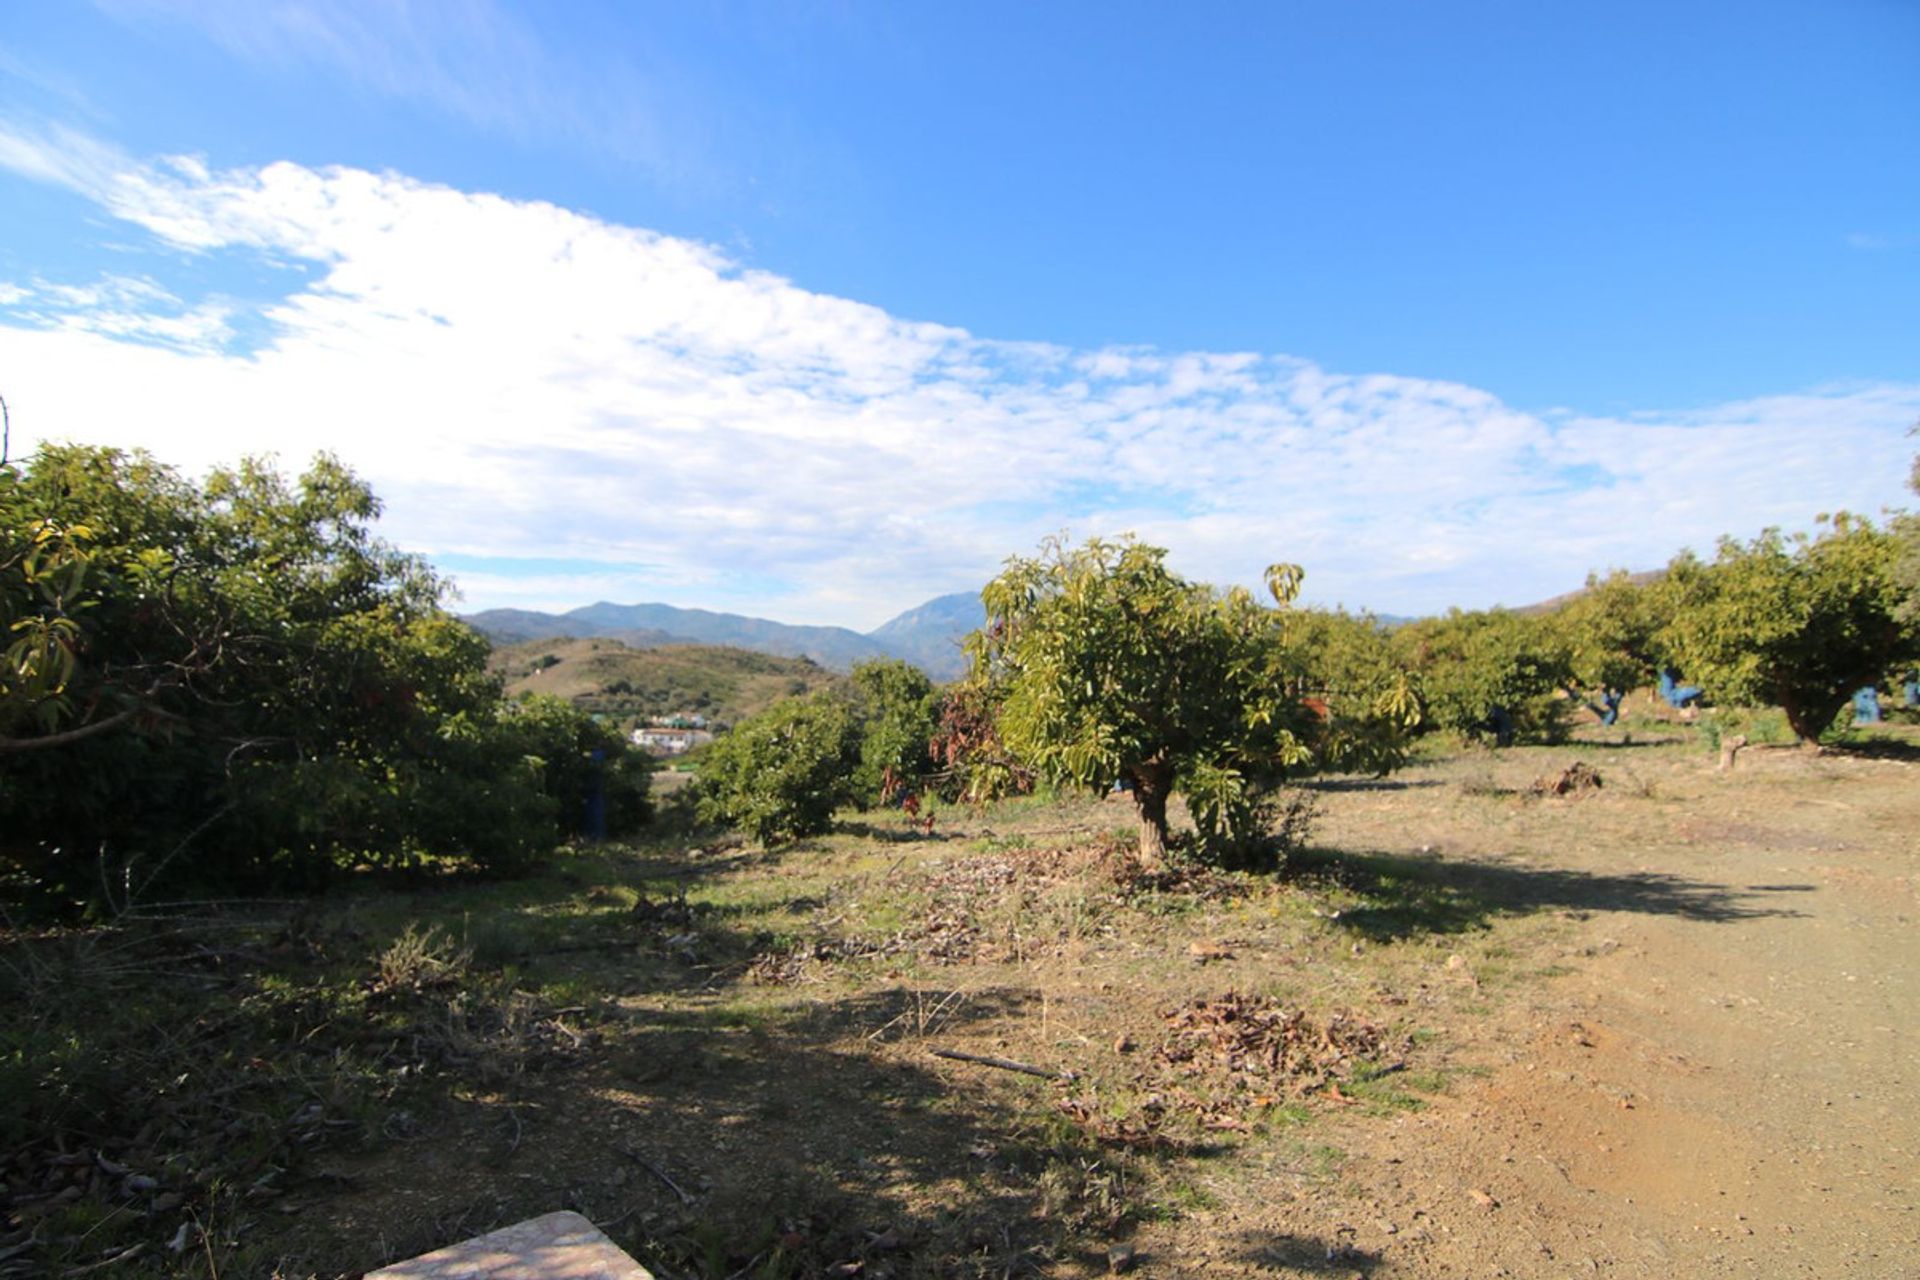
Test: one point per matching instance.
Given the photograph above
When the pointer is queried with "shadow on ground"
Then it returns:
(1305, 1255)
(1403, 896)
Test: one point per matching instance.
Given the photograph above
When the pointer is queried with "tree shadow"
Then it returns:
(810, 1139)
(1634, 743)
(1370, 784)
(1403, 897)
(899, 831)
(1310, 1255)
(1879, 748)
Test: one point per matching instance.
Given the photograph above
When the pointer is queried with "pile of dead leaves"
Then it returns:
(1223, 1057)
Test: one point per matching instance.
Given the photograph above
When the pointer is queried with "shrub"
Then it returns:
(781, 774)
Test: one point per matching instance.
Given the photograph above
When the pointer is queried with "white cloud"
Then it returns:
(520, 380)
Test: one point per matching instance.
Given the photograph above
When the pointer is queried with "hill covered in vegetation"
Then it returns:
(927, 635)
(724, 684)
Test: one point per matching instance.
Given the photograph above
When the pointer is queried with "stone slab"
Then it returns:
(554, 1246)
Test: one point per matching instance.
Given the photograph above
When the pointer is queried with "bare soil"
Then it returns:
(1721, 1085)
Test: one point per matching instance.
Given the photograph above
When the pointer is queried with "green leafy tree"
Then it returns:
(1343, 668)
(1101, 664)
(1612, 632)
(781, 774)
(579, 757)
(1489, 671)
(255, 690)
(898, 714)
(1800, 623)
(1906, 528)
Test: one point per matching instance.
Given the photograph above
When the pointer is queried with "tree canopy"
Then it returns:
(234, 683)
(1801, 622)
(1489, 671)
(1104, 666)
(781, 774)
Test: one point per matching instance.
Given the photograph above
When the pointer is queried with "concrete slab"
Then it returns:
(554, 1246)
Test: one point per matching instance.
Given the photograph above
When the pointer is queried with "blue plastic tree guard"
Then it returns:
(1866, 706)
(1677, 694)
(596, 815)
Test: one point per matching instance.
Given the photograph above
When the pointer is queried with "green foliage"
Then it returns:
(576, 755)
(898, 714)
(1612, 631)
(1799, 623)
(781, 774)
(1344, 668)
(257, 691)
(1906, 573)
(1474, 668)
(1102, 664)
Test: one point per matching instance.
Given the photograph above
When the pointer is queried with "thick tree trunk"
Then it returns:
(1806, 725)
(1152, 785)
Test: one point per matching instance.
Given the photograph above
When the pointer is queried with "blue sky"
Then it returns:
(818, 310)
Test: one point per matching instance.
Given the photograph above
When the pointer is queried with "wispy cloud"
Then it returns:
(524, 382)
(474, 60)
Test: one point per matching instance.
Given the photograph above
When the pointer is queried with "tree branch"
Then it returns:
(11, 746)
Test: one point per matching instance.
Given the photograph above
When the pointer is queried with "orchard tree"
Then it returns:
(1801, 622)
(781, 774)
(1611, 631)
(1343, 668)
(897, 712)
(237, 684)
(1489, 671)
(1906, 528)
(1104, 666)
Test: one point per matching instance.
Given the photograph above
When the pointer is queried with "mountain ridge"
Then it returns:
(927, 635)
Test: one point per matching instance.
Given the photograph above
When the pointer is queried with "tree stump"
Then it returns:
(1730, 749)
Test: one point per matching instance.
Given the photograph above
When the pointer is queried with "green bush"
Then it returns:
(253, 691)
(1476, 668)
(781, 774)
(898, 714)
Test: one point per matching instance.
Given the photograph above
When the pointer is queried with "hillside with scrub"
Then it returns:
(607, 678)
(1191, 929)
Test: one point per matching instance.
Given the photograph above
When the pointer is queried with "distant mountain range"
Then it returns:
(928, 636)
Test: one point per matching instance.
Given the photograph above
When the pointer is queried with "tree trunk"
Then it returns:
(1152, 784)
(1806, 725)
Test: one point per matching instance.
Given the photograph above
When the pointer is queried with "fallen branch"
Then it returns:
(1004, 1064)
(657, 1172)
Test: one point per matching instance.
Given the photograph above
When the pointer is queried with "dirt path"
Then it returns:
(1723, 1085)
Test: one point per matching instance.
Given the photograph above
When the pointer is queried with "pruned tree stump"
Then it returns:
(1730, 750)
(1575, 778)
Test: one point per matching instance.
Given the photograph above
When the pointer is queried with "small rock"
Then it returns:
(1481, 1198)
(1124, 1044)
(167, 1202)
(1120, 1258)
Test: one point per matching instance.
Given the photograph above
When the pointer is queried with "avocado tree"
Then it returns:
(235, 683)
(781, 774)
(1611, 631)
(1104, 666)
(1906, 528)
(1801, 622)
(1489, 671)
(898, 713)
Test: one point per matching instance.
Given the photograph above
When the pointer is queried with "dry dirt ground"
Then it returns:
(1723, 1082)
(1662, 1028)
